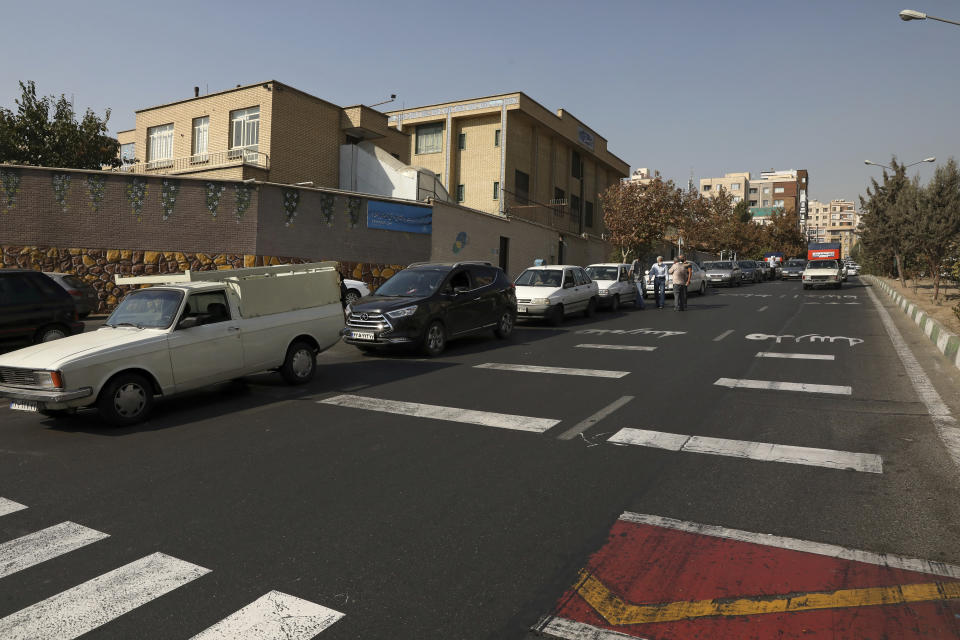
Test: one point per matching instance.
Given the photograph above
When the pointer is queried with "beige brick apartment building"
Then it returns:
(508, 155)
(267, 131)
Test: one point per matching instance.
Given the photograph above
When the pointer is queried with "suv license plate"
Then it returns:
(362, 335)
(25, 405)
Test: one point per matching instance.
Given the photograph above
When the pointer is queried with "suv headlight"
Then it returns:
(49, 379)
(545, 301)
(402, 313)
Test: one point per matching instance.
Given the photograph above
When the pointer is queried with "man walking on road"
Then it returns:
(680, 271)
(636, 277)
(659, 273)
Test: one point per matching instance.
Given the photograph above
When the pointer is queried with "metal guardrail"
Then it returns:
(199, 162)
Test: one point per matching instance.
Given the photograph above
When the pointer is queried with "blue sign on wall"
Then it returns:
(399, 217)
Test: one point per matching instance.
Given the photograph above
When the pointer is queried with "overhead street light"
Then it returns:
(907, 166)
(909, 14)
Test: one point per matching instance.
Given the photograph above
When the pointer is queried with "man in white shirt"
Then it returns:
(659, 273)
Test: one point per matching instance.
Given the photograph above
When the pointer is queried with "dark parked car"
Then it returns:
(427, 304)
(83, 294)
(794, 268)
(34, 308)
(750, 271)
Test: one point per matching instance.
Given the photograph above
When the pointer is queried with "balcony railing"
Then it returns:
(199, 162)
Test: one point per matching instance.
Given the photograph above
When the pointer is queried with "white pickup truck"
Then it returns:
(188, 330)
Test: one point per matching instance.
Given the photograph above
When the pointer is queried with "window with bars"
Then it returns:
(496, 138)
(576, 165)
(462, 141)
(588, 214)
(461, 192)
(429, 138)
(496, 190)
(128, 153)
(160, 146)
(201, 136)
(245, 132)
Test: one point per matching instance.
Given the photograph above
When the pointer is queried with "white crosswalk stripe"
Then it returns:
(795, 356)
(625, 347)
(274, 616)
(9, 506)
(772, 385)
(437, 412)
(32, 549)
(563, 371)
(79, 610)
(764, 451)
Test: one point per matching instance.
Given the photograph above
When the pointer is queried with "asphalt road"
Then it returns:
(422, 528)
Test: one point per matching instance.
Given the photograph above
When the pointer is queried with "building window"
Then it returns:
(521, 186)
(737, 198)
(461, 141)
(753, 191)
(778, 189)
(778, 203)
(588, 213)
(496, 138)
(128, 153)
(576, 165)
(496, 190)
(245, 133)
(559, 194)
(735, 187)
(574, 206)
(201, 135)
(160, 146)
(461, 192)
(429, 138)
(706, 187)
(766, 190)
(766, 203)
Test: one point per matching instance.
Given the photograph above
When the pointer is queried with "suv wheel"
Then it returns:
(126, 400)
(505, 324)
(51, 332)
(300, 363)
(434, 339)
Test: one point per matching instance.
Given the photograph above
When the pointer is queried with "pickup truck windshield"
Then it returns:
(147, 309)
(540, 278)
(412, 283)
(603, 273)
(822, 264)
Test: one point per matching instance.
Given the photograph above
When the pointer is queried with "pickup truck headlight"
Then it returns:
(49, 379)
(545, 301)
(402, 313)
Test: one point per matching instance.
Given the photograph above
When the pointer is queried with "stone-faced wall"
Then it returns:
(98, 266)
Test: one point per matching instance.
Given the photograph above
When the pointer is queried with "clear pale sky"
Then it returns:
(673, 85)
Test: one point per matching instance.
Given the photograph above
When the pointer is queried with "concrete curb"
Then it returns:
(947, 343)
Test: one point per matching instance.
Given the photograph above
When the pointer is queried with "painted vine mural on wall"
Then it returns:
(168, 196)
(61, 186)
(96, 186)
(242, 199)
(214, 193)
(10, 181)
(137, 196)
(291, 199)
(353, 209)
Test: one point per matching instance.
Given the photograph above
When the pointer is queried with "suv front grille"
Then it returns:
(364, 320)
(18, 377)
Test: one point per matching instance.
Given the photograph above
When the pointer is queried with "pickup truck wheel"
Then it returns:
(50, 332)
(591, 308)
(505, 325)
(300, 364)
(434, 339)
(126, 400)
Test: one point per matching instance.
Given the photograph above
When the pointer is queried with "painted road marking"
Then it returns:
(79, 610)
(660, 333)
(798, 356)
(772, 385)
(809, 337)
(625, 347)
(665, 578)
(763, 308)
(274, 616)
(583, 425)
(618, 612)
(723, 335)
(943, 419)
(43, 545)
(450, 414)
(9, 506)
(562, 371)
(763, 451)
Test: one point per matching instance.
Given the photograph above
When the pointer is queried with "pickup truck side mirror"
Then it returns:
(188, 322)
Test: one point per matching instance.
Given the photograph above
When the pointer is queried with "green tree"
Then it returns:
(936, 225)
(45, 131)
(639, 215)
(741, 211)
(885, 230)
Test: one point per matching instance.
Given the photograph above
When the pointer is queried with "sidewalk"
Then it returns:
(938, 322)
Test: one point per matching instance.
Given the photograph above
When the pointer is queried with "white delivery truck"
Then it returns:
(182, 332)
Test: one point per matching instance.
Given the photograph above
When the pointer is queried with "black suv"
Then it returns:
(427, 304)
(35, 308)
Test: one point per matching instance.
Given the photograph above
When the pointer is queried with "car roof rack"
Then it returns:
(223, 275)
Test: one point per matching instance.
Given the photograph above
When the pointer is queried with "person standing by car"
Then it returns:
(636, 277)
(659, 272)
(680, 271)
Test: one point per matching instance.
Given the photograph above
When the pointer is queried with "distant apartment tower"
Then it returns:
(773, 190)
(736, 184)
(835, 221)
(506, 154)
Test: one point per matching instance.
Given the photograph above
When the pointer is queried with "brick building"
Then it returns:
(508, 155)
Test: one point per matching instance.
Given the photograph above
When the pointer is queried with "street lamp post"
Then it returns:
(909, 14)
(907, 166)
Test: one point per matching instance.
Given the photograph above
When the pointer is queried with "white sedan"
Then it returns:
(614, 283)
(356, 289)
(554, 292)
(698, 280)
